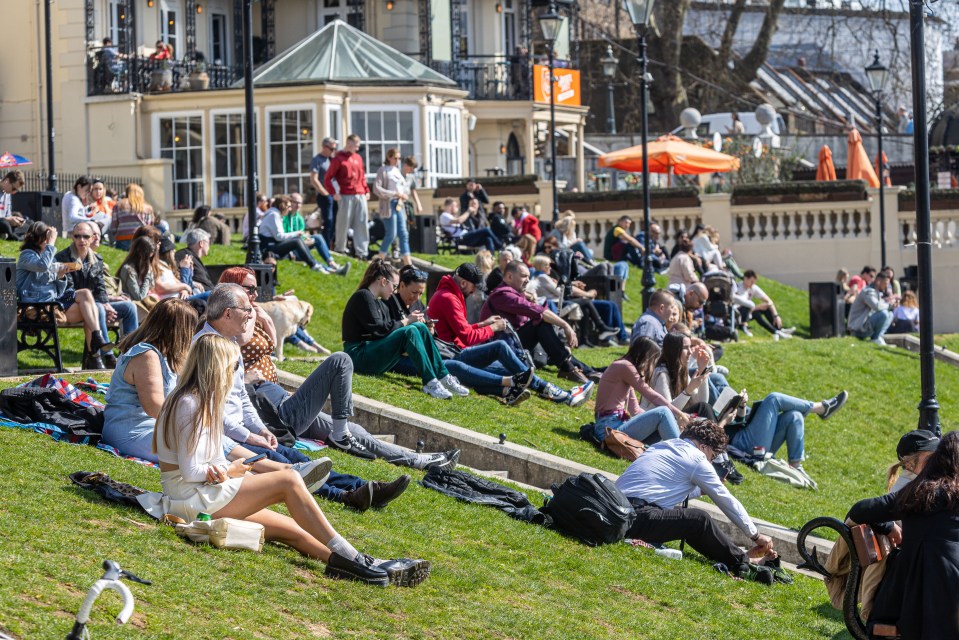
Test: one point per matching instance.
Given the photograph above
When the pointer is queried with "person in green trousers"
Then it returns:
(376, 342)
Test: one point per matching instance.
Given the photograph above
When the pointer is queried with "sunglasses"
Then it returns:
(236, 366)
(250, 289)
(82, 236)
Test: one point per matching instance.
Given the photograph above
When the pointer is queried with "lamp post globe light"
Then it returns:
(552, 23)
(877, 75)
(639, 12)
(610, 64)
(928, 405)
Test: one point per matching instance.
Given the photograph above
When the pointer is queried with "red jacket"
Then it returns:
(529, 225)
(448, 308)
(348, 171)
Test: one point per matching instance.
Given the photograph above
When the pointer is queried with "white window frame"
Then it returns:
(267, 186)
(158, 150)
(172, 6)
(214, 178)
(113, 21)
(438, 148)
(385, 108)
(334, 122)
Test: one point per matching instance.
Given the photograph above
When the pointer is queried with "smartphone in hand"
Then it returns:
(256, 458)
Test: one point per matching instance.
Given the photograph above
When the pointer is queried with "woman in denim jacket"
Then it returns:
(41, 279)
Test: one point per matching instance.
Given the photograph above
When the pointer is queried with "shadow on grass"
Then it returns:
(826, 610)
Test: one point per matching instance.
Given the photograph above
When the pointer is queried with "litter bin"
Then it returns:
(827, 310)
(607, 288)
(423, 234)
(8, 317)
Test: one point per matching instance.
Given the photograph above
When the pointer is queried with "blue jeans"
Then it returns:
(621, 269)
(480, 238)
(610, 315)
(717, 382)
(325, 205)
(484, 366)
(322, 248)
(300, 335)
(396, 228)
(580, 246)
(876, 325)
(337, 485)
(641, 426)
(778, 418)
(126, 314)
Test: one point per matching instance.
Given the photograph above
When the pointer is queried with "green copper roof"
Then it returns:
(341, 54)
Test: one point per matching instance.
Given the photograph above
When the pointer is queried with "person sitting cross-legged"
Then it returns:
(454, 223)
(669, 472)
(197, 477)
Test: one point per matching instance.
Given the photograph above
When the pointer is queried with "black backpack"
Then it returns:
(591, 508)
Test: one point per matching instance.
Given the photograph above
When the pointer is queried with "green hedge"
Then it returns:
(934, 194)
(628, 194)
(800, 187)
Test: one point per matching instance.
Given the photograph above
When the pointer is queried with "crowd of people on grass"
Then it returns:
(491, 326)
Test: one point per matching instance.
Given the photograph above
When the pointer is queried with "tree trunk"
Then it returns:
(668, 93)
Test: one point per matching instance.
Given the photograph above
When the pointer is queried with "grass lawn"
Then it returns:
(494, 577)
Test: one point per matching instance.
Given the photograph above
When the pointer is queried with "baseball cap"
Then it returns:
(468, 271)
(166, 245)
(916, 441)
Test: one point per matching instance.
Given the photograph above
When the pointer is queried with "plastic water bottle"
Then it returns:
(203, 517)
(759, 452)
(672, 554)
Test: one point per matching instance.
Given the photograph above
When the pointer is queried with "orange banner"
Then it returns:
(567, 85)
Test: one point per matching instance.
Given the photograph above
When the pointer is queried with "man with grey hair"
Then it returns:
(197, 243)
(303, 411)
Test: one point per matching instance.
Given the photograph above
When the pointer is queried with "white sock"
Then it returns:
(338, 544)
(339, 429)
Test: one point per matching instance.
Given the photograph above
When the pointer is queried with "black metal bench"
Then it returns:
(39, 330)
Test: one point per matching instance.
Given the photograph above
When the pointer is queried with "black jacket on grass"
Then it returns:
(469, 488)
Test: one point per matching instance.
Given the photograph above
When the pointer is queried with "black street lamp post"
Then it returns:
(639, 13)
(51, 131)
(253, 237)
(877, 74)
(928, 405)
(552, 23)
(610, 64)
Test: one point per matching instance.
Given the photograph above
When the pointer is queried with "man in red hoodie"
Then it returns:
(346, 180)
(479, 347)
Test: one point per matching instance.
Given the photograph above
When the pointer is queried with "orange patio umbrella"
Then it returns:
(858, 166)
(670, 154)
(825, 170)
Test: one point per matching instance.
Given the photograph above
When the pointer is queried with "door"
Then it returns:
(219, 48)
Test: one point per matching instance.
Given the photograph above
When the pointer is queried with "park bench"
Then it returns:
(39, 330)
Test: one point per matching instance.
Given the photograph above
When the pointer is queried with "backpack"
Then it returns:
(591, 508)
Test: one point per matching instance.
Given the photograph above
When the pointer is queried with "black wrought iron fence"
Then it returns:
(38, 181)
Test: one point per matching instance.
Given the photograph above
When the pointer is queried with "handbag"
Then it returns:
(622, 446)
(447, 350)
(147, 303)
(869, 547)
(224, 533)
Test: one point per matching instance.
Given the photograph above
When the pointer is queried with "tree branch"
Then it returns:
(747, 69)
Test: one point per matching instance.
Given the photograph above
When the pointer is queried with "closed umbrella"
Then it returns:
(825, 170)
(858, 166)
(670, 154)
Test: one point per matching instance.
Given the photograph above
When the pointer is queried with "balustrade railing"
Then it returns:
(945, 229)
(490, 77)
(804, 222)
(108, 75)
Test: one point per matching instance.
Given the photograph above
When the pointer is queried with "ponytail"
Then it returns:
(378, 268)
(892, 474)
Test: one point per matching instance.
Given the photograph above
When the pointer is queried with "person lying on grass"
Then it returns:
(146, 373)
(671, 471)
(197, 477)
(302, 411)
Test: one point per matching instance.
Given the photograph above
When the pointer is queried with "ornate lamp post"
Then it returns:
(610, 64)
(877, 74)
(639, 13)
(928, 405)
(552, 23)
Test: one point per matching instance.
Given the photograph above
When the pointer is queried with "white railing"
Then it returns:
(802, 221)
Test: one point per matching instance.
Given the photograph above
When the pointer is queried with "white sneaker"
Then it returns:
(746, 330)
(880, 341)
(784, 336)
(318, 268)
(789, 330)
(314, 472)
(776, 337)
(454, 386)
(435, 389)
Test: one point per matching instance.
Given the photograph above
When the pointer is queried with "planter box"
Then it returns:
(790, 198)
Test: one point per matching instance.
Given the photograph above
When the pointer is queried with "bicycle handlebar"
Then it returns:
(111, 579)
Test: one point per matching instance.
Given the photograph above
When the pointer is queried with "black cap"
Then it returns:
(468, 271)
(166, 245)
(916, 441)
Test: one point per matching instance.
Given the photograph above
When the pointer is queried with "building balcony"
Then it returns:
(141, 74)
(492, 77)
